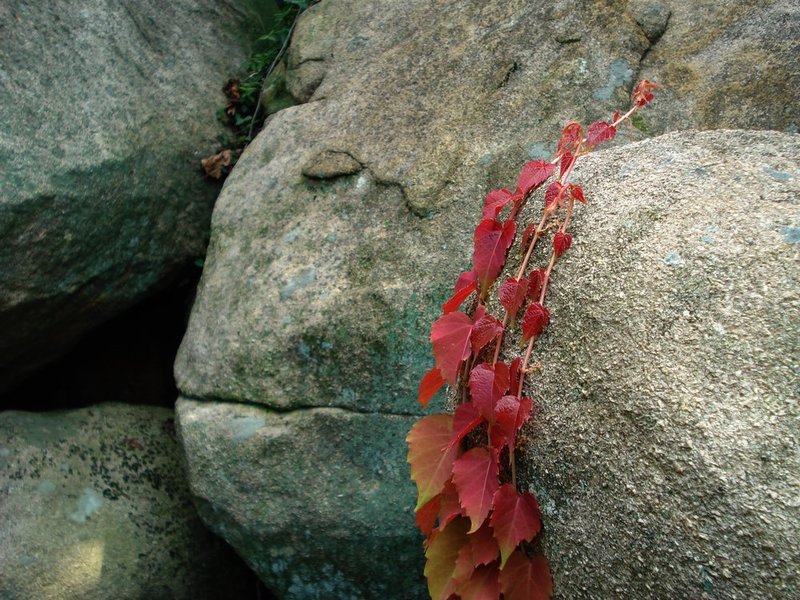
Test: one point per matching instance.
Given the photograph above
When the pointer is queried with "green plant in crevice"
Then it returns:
(244, 113)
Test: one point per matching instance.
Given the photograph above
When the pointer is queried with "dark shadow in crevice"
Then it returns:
(127, 359)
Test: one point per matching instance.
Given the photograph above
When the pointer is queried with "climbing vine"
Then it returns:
(478, 523)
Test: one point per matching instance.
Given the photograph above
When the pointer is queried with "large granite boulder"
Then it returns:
(664, 449)
(106, 109)
(95, 506)
(344, 226)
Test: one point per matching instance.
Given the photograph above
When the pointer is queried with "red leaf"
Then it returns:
(483, 545)
(430, 384)
(426, 514)
(495, 202)
(532, 175)
(510, 414)
(485, 329)
(643, 94)
(566, 160)
(475, 475)
(466, 284)
(561, 243)
(492, 241)
(513, 375)
(599, 132)
(487, 385)
(512, 295)
(450, 508)
(536, 283)
(526, 578)
(535, 320)
(483, 584)
(553, 194)
(515, 518)
(450, 336)
(571, 138)
(441, 555)
(576, 193)
(466, 418)
(430, 455)
(616, 116)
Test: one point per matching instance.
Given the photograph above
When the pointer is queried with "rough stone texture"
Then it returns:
(320, 293)
(309, 497)
(105, 111)
(94, 505)
(726, 65)
(665, 452)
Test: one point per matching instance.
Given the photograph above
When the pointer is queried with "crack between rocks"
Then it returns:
(287, 410)
(646, 52)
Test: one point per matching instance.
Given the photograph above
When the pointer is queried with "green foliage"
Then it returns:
(243, 114)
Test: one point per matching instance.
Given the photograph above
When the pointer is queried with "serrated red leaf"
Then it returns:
(599, 132)
(476, 477)
(430, 455)
(485, 329)
(481, 549)
(426, 514)
(571, 138)
(576, 193)
(561, 243)
(483, 584)
(553, 194)
(450, 336)
(525, 578)
(536, 318)
(536, 279)
(492, 241)
(515, 518)
(441, 555)
(532, 175)
(466, 418)
(510, 414)
(466, 284)
(487, 384)
(643, 93)
(512, 295)
(450, 508)
(566, 161)
(483, 546)
(495, 201)
(431, 383)
(616, 116)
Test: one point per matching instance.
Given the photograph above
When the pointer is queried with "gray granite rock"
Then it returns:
(313, 499)
(95, 505)
(664, 449)
(106, 109)
(318, 292)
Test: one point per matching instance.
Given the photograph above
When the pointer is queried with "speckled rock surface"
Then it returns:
(319, 292)
(665, 452)
(95, 505)
(105, 112)
(310, 497)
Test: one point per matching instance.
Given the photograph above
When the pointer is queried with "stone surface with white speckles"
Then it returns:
(94, 505)
(665, 449)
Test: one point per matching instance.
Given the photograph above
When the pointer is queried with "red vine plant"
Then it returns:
(478, 524)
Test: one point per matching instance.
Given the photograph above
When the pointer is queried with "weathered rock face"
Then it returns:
(105, 111)
(664, 450)
(347, 221)
(95, 506)
(310, 497)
